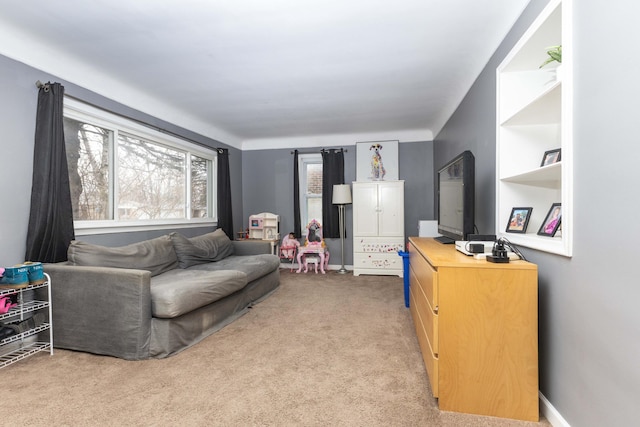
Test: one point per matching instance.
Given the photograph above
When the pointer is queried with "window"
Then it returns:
(123, 174)
(310, 169)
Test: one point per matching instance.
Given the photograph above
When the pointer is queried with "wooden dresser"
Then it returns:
(477, 325)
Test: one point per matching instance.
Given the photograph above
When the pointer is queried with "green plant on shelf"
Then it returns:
(555, 54)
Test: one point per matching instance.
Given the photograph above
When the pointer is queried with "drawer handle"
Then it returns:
(435, 310)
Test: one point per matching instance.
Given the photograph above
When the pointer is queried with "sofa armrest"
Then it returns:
(101, 310)
(251, 247)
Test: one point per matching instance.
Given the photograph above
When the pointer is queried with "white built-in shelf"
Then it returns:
(545, 176)
(543, 107)
(534, 115)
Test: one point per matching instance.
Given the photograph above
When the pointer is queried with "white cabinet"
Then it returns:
(378, 227)
(534, 115)
(32, 300)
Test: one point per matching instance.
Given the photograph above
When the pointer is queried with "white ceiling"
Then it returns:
(251, 73)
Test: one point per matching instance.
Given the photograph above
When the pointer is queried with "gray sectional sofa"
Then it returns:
(155, 298)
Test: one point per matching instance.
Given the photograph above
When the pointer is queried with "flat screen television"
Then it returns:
(456, 198)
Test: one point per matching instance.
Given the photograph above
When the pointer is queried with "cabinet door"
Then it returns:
(391, 209)
(365, 209)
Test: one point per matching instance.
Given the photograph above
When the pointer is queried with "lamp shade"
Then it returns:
(341, 194)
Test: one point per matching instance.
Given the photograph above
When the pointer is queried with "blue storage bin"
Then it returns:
(405, 263)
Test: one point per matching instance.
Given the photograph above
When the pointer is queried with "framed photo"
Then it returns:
(377, 161)
(550, 157)
(552, 221)
(519, 220)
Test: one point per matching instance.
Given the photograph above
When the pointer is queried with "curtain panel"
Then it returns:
(297, 226)
(225, 211)
(332, 173)
(51, 214)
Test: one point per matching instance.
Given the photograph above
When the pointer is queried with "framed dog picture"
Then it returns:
(377, 161)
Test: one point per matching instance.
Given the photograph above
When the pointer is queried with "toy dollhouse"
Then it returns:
(264, 226)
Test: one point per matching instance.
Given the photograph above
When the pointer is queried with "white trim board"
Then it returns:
(551, 414)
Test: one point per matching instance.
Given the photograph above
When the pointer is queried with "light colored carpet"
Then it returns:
(323, 350)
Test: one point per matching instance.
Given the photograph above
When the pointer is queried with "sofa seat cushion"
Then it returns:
(154, 255)
(254, 266)
(177, 292)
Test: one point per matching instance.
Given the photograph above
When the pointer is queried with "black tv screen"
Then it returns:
(456, 198)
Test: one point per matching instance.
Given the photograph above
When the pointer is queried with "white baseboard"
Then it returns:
(550, 413)
(338, 267)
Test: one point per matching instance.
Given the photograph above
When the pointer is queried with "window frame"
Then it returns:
(303, 161)
(77, 110)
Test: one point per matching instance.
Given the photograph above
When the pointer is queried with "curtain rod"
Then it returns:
(322, 151)
(39, 85)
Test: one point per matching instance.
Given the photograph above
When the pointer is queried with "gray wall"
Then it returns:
(472, 127)
(268, 187)
(589, 323)
(18, 100)
(261, 181)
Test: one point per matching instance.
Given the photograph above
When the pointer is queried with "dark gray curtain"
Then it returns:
(297, 226)
(332, 173)
(51, 214)
(225, 211)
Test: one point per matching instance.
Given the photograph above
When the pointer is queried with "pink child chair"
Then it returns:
(289, 249)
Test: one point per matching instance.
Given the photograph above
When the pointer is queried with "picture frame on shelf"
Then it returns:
(377, 161)
(552, 221)
(519, 220)
(550, 157)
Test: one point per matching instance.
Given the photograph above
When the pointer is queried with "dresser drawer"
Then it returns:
(427, 313)
(426, 275)
(377, 261)
(431, 361)
(379, 245)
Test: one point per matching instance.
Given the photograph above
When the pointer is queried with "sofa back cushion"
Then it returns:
(201, 249)
(155, 255)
